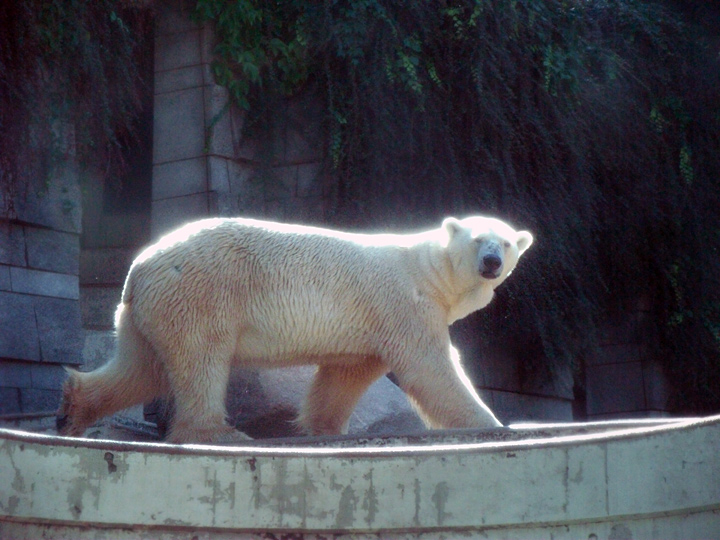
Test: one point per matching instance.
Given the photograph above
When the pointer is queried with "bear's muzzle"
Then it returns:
(491, 266)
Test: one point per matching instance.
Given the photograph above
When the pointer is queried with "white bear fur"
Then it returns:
(265, 295)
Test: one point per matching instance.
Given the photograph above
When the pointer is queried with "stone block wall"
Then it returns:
(39, 291)
(623, 380)
(514, 395)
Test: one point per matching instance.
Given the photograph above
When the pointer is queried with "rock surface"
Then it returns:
(265, 403)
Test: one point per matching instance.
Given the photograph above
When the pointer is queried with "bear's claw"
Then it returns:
(231, 437)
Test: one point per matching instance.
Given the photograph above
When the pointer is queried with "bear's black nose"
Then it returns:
(492, 262)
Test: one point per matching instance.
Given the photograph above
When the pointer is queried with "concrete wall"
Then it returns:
(39, 291)
(619, 481)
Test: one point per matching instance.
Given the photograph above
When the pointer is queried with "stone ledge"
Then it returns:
(52, 284)
(53, 251)
(630, 482)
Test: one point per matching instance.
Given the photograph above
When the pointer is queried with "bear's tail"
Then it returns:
(131, 377)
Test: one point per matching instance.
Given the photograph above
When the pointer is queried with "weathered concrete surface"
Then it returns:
(659, 480)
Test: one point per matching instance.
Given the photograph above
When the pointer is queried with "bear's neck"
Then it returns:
(437, 282)
(470, 301)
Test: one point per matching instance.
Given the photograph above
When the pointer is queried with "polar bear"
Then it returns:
(261, 294)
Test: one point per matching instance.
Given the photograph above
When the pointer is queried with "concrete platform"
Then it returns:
(648, 479)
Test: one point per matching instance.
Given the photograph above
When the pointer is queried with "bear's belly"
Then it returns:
(290, 359)
(278, 347)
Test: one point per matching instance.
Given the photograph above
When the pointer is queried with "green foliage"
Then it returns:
(262, 44)
(592, 123)
(69, 85)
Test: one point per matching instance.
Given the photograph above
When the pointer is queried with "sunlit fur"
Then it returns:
(265, 295)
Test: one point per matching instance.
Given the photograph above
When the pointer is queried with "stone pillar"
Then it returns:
(203, 166)
(180, 190)
(39, 291)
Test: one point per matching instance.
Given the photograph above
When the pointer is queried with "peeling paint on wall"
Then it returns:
(568, 487)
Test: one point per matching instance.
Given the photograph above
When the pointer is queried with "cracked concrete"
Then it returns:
(564, 482)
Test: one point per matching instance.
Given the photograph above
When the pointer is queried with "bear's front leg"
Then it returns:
(438, 388)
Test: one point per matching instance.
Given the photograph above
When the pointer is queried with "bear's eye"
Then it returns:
(506, 244)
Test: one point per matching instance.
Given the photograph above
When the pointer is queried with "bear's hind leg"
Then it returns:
(199, 383)
(334, 393)
(132, 376)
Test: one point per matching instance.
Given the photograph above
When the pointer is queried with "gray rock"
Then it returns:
(39, 400)
(265, 404)
(14, 374)
(105, 266)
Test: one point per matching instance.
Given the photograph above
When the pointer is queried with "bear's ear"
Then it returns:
(451, 226)
(524, 240)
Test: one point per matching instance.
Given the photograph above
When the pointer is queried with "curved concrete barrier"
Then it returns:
(577, 481)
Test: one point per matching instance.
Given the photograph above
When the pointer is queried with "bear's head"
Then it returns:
(483, 249)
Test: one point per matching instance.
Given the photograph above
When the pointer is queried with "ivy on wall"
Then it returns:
(69, 86)
(592, 123)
